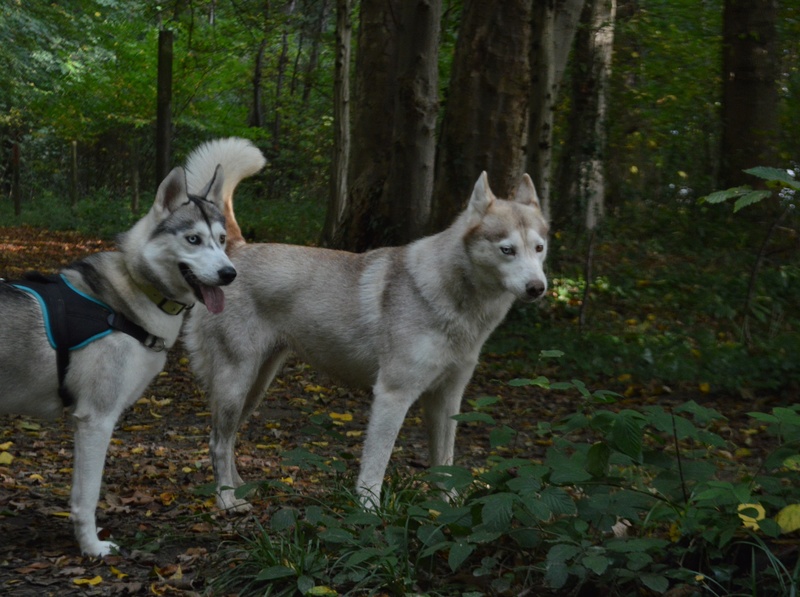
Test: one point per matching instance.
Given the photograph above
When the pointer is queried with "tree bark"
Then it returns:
(554, 25)
(371, 125)
(394, 106)
(410, 182)
(341, 123)
(749, 88)
(485, 122)
(582, 177)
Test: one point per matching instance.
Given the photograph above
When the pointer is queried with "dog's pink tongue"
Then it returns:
(213, 298)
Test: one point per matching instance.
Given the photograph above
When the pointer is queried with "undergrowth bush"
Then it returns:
(625, 501)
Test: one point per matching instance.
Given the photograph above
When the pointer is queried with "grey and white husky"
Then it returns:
(172, 257)
(407, 322)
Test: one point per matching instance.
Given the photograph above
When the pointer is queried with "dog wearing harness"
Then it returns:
(111, 317)
(73, 319)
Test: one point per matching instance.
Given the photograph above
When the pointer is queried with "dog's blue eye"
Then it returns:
(506, 250)
(193, 239)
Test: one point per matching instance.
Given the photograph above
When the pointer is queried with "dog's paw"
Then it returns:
(227, 502)
(99, 548)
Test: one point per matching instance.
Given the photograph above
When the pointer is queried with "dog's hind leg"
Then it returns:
(235, 392)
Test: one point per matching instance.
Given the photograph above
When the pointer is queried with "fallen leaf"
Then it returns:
(789, 518)
(6, 458)
(88, 581)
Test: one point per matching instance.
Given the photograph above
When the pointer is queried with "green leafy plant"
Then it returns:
(624, 500)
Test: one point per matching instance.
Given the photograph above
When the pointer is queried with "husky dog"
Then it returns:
(408, 322)
(172, 257)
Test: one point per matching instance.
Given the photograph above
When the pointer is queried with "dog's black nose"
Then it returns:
(535, 289)
(226, 275)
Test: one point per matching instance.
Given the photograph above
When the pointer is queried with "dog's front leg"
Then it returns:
(389, 408)
(92, 436)
(439, 406)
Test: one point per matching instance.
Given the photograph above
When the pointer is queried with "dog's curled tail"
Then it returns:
(239, 159)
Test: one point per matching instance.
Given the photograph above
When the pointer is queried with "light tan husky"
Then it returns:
(408, 322)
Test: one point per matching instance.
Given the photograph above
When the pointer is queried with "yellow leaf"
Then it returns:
(88, 581)
(6, 445)
(793, 462)
(341, 416)
(315, 389)
(354, 433)
(748, 520)
(187, 469)
(36, 477)
(6, 458)
(625, 377)
(287, 481)
(789, 518)
(62, 514)
(705, 387)
(155, 414)
(323, 591)
(117, 573)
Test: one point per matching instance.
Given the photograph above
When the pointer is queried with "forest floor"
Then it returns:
(171, 535)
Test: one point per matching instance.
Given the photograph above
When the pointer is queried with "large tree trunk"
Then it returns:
(371, 126)
(485, 121)
(582, 178)
(410, 182)
(341, 124)
(392, 143)
(554, 25)
(749, 88)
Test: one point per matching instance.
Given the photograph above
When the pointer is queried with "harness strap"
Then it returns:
(73, 319)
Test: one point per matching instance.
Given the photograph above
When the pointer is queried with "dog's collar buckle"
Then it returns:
(155, 343)
(168, 306)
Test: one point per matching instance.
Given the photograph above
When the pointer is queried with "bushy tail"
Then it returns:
(239, 159)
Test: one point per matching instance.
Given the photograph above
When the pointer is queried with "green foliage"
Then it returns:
(624, 501)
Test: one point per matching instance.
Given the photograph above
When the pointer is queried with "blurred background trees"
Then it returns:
(607, 103)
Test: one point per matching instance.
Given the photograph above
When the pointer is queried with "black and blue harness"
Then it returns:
(73, 319)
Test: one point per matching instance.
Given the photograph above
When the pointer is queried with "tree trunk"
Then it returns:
(485, 121)
(360, 225)
(257, 111)
(164, 105)
(391, 163)
(554, 25)
(582, 178)
(749, 88)
(410, 182)
(341, 124)
(316, 43)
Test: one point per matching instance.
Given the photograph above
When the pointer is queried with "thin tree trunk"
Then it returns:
(257, 111)
(16, 195)
(341, 123)
(316, 43)
(749, 88)
(164, 105)
(582, 178)
(554, 25)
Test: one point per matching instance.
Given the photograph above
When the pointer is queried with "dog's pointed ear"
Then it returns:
(213, 190)
(526, 192)
(482, 196)
(171, 192)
